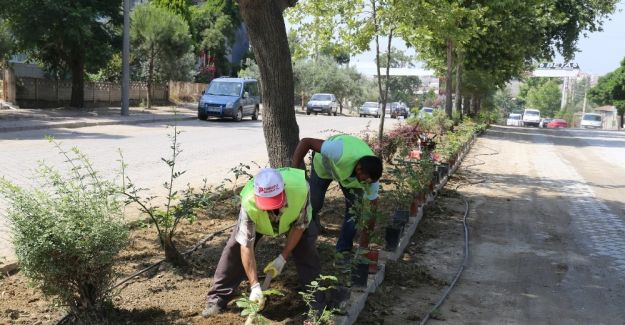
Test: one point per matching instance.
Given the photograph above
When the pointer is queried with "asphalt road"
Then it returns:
(210, 149)
(547, 228)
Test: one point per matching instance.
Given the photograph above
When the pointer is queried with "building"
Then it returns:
(609, 117)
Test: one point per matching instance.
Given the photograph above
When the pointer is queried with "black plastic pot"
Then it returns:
(435, 177)
(444, 169)
(391, 237)
(360, 274)
(400, 217)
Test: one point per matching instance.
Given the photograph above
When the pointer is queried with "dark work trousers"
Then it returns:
(230, 271)
(318, 189)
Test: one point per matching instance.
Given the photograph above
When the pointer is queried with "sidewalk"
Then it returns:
(12, 120)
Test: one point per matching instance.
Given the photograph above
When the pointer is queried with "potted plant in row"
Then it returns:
(363, 259)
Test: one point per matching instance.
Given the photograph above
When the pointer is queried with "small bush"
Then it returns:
(67, 231)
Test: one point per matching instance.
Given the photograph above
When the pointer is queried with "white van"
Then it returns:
(531, 117)
(591, 121)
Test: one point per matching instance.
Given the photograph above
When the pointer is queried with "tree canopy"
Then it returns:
(161, 43)
(66, 35)
(610, 90)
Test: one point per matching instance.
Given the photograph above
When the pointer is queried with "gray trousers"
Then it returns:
(230, 271)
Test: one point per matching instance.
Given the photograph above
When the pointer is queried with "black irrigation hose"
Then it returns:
(189, 251)
(427, 316)
(465, 260)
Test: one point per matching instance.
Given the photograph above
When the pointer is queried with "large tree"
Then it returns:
(66, 35)
(546, 98)
(348, 27)
(214, 24)
(610, 90)
(161, 41)
(267, 33)
(6, 42)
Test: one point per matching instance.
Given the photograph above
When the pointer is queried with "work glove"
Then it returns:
(256, 295)
(275, 267)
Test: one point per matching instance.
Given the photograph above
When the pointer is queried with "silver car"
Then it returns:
(370, 109)
(322, 103)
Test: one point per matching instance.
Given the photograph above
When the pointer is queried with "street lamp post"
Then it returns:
(125, 61)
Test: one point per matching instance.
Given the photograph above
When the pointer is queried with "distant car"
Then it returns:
(544, 121)
(557, 123)
(591, 121)
(230, 97)
(531, 117)
(322, 103)
(370, 109)
(425, 111)
(514, 119)
(398, 109)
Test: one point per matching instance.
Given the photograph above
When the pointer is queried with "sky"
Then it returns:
(600, 52)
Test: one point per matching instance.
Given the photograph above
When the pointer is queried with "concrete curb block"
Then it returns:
(9, 267)
(358, 298)
(75, 125)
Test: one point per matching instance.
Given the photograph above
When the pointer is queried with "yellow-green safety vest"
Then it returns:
(296, 189)
(342, 170)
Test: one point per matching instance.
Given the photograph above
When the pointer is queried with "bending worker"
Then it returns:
(349, 161)
(273, 203)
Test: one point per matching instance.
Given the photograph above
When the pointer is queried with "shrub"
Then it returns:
(67, 231)
(177, 207)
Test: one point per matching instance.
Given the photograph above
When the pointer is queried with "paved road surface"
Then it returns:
(547, 230)
(210, 149)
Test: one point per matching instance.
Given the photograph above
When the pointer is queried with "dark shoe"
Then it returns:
(343, 260)
(210, 310)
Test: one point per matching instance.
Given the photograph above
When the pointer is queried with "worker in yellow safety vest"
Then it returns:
(274, 203)
(349, 161)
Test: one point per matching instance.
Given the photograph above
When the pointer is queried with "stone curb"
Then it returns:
(74, 125)
(358, 297)
(9, 267)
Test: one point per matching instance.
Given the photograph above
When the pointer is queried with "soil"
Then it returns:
(168, 296)
(414, 283)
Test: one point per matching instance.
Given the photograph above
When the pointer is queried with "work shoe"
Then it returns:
(343, 260)
(210, 310)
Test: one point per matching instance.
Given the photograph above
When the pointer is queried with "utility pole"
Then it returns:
(585, 101)
(126, 61)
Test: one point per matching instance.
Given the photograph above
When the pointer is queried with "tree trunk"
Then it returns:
(466, 105)
(78, 79)
(150, 78)
(267, 34)
(448, 80)
(473, 108)
(383, 93)
(172, 255)
(459, 85)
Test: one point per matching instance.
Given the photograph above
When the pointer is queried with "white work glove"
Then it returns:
(256, 295)
(275, 267)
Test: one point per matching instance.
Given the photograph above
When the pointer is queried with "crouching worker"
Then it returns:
(273, 203)
(349, 161)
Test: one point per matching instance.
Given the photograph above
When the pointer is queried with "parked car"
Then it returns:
(398, 109)
(322, 103)
(591, 121)
(425, 111)
(557, 123)
(514, 119)
(544, 121)
(230, 97)
(370, 109)
(531, 117)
